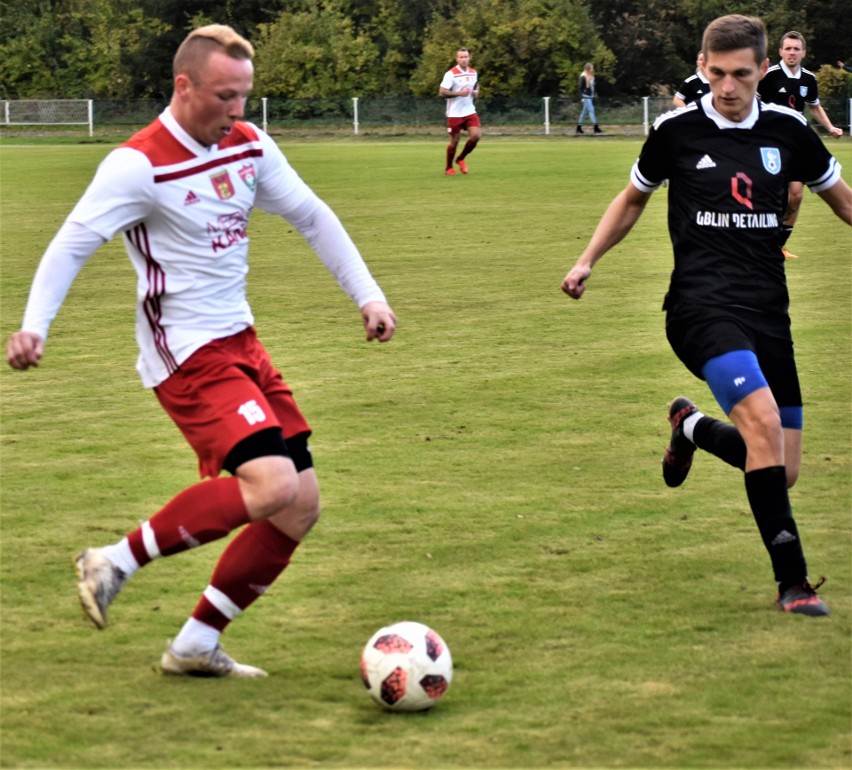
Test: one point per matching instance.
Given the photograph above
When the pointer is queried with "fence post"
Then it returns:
(645, 101)
(264, 121)
(91, 119)
(546, 115)
(355, 113)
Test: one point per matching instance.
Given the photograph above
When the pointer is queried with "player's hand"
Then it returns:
(24, 350)
(379, 321)
(574, 284)
(836, 132)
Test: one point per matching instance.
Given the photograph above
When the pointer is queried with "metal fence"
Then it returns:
(353, 115)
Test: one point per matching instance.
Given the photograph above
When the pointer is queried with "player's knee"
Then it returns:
(269, 484)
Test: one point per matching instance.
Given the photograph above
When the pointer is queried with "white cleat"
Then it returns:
(99, 583)
(215, 663)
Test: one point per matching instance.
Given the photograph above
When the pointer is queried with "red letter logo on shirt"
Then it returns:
(741, 189)
(222, 185)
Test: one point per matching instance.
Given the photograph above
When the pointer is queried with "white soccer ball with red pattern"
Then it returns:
(406, 667)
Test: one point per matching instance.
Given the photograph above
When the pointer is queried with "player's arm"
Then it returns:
(839, 198)
(678, 101)
(617, 221)
(69, 250)
(449, 94)
(821, 115)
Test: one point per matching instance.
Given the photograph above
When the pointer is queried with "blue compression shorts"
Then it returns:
(735, 375)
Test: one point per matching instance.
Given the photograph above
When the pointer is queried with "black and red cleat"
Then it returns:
(678, 458)
(802, 598)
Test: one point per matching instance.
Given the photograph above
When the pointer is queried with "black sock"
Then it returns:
(767, 494)
(721, 439)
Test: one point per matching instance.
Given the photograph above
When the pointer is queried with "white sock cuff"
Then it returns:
(689, 425)
(121, 556)
(195, 638)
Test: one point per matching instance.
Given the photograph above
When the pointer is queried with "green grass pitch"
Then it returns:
(494, 471)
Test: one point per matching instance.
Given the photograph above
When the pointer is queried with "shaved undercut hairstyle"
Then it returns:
(733, 32)
(200, 43)
(792, 34)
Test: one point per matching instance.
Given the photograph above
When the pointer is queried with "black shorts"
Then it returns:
(700, 333)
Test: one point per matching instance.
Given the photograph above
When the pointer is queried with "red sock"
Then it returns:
(468, 148)
(247, 567)
(451, 153)
(199, 514)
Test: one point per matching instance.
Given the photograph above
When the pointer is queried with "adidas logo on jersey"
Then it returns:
(705, 162)
(191, 198)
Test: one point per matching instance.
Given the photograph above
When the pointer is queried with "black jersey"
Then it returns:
(694, 87)
(779, 86)
(726, 197)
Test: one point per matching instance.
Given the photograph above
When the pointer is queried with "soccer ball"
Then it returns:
(406, 667)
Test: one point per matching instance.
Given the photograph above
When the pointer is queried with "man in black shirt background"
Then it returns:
(788, 83)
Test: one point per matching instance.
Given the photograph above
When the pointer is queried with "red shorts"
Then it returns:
(457, 125)
(225, 392)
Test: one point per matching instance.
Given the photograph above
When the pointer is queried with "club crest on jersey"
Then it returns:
(248, 176)
(771, 159)
(222, 185)
(803, 91)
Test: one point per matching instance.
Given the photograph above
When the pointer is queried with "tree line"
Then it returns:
(122, 49)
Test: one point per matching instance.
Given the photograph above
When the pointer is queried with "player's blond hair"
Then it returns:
(733, 32)
(200, 43)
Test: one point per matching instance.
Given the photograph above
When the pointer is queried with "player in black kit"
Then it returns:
(729, 158)
(694, 87)
(788, 83)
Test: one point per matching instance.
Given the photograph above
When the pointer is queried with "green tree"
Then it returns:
(315, 53)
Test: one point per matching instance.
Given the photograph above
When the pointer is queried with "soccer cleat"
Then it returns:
(100, 581)
(802, 598)
(788, 254)
(450, 172)
(462, 166)
(215, 663)
(678, 457)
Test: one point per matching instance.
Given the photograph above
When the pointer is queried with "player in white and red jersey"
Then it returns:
(459, 87)
(181, 192)
(729, 158)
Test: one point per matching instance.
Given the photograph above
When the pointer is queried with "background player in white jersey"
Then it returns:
(459, 87)
(729, 158)
(788, 83)
(181, 192)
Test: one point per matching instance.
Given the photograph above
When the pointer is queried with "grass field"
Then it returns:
(493, 472)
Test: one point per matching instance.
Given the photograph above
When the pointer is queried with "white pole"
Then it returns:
(91, 120)
(265, 121)
(546, 115)
(355, 113)
(645, 101)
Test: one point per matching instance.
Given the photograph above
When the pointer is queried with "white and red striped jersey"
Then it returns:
(455, 80)
(184, 210)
